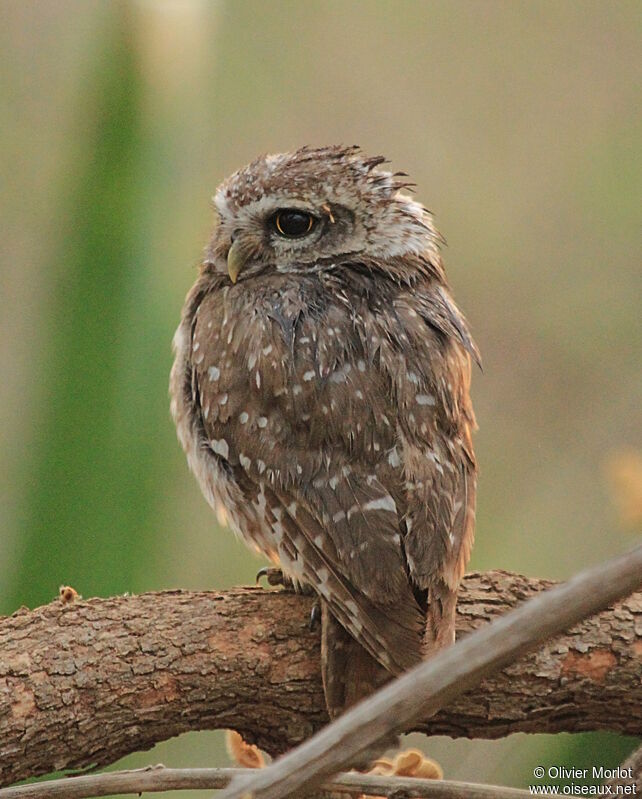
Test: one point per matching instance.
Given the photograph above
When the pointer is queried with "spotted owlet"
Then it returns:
(321, 392)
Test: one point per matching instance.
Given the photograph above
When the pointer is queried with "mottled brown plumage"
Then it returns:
(321, 393)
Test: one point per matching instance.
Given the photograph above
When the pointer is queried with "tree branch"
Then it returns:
(86, 683)
(433, 684)
(154, 779)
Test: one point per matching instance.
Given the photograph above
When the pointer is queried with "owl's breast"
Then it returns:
(283, 372)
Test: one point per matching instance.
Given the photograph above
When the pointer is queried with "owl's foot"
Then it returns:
(275, 576)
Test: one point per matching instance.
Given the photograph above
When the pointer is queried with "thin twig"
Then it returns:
(432, 684)
(158, 778)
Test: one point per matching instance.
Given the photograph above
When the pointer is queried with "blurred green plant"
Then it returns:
(92, 497)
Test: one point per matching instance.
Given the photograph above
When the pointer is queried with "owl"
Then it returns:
(320, 390)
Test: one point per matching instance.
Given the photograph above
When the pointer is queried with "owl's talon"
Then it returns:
(315, 617)
(273, 576)
(261, 573)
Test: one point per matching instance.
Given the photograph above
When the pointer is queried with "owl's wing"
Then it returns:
(352, 532)
(435, 424)
(343, 532)
(440, 520)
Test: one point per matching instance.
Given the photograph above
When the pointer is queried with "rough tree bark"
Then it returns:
(86, 683)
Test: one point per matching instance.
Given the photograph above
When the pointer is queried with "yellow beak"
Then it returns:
(236, 259)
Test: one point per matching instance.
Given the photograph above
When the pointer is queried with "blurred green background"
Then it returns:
(520, 124)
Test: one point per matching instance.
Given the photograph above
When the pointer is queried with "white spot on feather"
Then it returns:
(425, 399)
(221, 447)
(382, 503)
(393, 458)
(213, 373)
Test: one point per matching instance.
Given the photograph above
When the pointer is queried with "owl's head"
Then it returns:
(316, 209)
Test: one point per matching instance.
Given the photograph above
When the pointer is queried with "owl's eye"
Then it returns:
(292, 223)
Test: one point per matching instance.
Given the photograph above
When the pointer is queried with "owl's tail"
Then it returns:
(349, 672)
